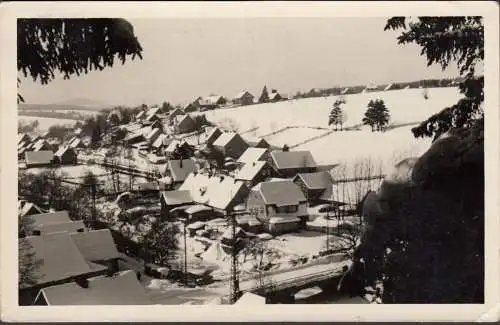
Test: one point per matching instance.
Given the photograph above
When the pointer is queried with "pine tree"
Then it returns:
(337, 116)
(382, 115)
(369, 118)
(264, 97)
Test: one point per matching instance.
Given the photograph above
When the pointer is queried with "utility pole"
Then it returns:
(185, 253)
(234, 284)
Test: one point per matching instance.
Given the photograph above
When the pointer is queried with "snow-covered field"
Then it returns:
(384, 149)
(293, 136)
(45, 122)
(405, 106)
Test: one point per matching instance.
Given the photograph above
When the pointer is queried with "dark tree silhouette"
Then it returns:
(445, 40)
(264, 97)
(72, 46)
(337, 116)
(377, 115)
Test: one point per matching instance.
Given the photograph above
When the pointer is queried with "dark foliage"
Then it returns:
(72, 46)
(444, 40)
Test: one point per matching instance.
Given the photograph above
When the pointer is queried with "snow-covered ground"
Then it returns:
(385, 148)
(44, 123)
(405, 106)
(293, 136)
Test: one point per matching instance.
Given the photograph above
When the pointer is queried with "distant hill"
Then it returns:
(55, 107)
(86, 102)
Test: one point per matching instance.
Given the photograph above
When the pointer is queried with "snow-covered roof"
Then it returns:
(97, 245)
(249, 171)
(177, 197)
(153, 133)
(179, 171)
(251, 155)
(217, 192)
(61, 150)
(241, 94)
(120, 289)
(70, 226)
(249, 298)
(316, 181)
(61, 258)
(225, 138)
(49, 218)
(292, 159)
(280, 193)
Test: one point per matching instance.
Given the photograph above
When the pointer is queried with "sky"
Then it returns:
(186, 58)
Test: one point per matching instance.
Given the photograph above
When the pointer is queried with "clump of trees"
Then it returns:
(27, 127)
(337, 115)
(377, 115)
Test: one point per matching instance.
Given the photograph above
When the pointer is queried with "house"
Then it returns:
(76, 144)
(253, 173)
(287, 164)
(175, 199)
(23, 137)
(152, 111)
(231, 144)
(212, 135)
(178, 170)
(42, 145)
(193, 106)
(184, 124)
(211, 102)
(344, 91)
(161, 142)
(275, 96)
(152, 118)
(59, 261)
(251, 155)
(98, 246)
(65, 156)
(243, 98)
(177, 145)
(222, 193)
(140, 115)
(174, 113)
(39, 158)
(152, 136)
(121, 289)
(134, 137)
(314, 185)
(28, 209)
(279, 205)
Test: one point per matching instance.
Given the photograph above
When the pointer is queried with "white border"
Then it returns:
(8, 72)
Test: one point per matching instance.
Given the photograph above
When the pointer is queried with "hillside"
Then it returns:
(405, 106)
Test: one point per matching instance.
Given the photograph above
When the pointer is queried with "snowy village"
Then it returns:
(250, 198)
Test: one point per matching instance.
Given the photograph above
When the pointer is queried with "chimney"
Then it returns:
(221, 178)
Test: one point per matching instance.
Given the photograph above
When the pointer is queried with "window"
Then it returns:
(287, 209)
(36, 233)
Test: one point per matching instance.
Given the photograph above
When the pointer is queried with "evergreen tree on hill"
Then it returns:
(264, 97)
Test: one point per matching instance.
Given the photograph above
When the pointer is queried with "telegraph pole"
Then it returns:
(234, 284)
